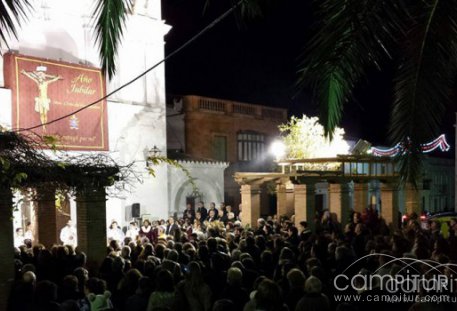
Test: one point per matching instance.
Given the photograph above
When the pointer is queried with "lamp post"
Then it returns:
(151, 153)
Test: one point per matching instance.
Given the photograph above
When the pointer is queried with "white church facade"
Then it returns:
(61, 32)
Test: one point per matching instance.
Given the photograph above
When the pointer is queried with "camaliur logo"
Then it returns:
(398, 280)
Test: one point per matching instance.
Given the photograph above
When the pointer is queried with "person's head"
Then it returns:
(189, 206)
(304, 225)
(82, 275)
(212, 205)
(171, 220)
(220, 212)
(223, 305)
(29, 277)
(113, 225)
(146, 223)
(296, 278)
(46, 291)
(212, 213)
(356, 218)
(173, 255)
(198, 216)
(132, 225)
(126, 251)
(200, 204)
(435, 225)
(313, 285)
(145, 285)
(292, 231)
(70, 283)
(195, 272)
(228, 208)
(164, 281)
(118, 264)
(234, 276)
(268, 295)
(19, 231)
(70, 223)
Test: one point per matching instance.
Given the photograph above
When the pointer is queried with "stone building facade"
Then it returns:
(227, 131)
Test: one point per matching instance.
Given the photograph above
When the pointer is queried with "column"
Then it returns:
(389, 205)
(304, 204)
(339, 202)
(91, 224)
(281, 199)
(46, 216)
(250, 200)
(6, 244)
(360, 196)
(290, 201)
(412, 199)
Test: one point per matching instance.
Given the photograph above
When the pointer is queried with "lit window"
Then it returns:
(251, 146)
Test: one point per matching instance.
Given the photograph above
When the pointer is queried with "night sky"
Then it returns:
(256, 61)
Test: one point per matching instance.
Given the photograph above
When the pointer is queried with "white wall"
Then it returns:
(60, 30)
(209, 178)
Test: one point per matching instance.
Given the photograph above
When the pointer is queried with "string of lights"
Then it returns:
(179, 49)
(439, 142)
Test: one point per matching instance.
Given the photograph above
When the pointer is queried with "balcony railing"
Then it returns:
(214, 105)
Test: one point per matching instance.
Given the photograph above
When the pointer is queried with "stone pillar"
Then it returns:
(6, 245)
(305, 209)
(91, 224)
(290, 208)
(389, 205)
(281, 199)
(339, 202)
(250, 200)
(360, 196)
(412, 199)
(46, 216)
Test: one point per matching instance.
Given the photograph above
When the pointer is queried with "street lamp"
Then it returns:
(278, 149)
(151, 153)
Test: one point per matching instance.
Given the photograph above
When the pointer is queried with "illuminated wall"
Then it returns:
(61, 30)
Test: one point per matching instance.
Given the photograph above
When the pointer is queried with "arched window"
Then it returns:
(251, 145)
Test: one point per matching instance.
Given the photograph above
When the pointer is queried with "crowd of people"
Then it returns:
(207, 260)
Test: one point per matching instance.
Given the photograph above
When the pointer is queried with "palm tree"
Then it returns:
(109, 17)
(353, 36)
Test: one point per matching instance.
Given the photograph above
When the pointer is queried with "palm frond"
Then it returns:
(350, 37)
(110, 17)
(11, 14)
(424, 81)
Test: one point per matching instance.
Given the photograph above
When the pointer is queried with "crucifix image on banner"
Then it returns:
(45, 90)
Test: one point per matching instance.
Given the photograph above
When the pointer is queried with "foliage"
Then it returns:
(352, 37)
(305, 138)
(24, 164)
(110, 16)
(11, 14)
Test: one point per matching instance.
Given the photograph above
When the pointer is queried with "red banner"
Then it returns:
(44, 90)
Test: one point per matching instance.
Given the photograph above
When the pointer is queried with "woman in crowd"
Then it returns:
(114, 232)
(147, 231)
